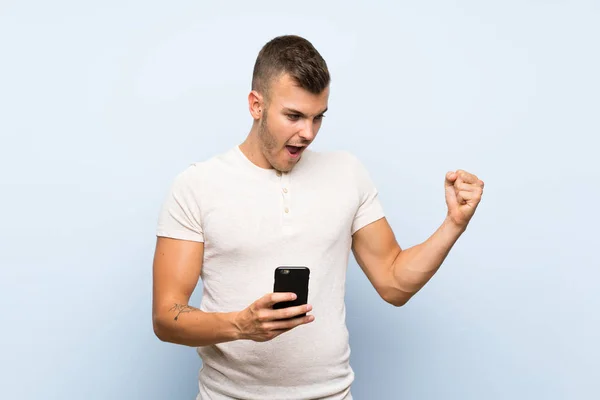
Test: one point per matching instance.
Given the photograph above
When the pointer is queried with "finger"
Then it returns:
(466, 176)
(288, 324)
(268, 300)
(270, 335)
(277, 332)
(290, 312)
(468, 196)
(467, 187)
(450, 190)
(274, 333)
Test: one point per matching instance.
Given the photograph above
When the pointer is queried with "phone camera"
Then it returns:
(285, 271)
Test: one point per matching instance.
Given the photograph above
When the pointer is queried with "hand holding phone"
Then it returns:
(280, 311)
(260, 322)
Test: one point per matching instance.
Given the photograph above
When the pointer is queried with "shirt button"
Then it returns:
(278, 173)
(287, 210)
(284, 190)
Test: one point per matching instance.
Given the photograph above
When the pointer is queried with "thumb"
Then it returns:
(450, 178)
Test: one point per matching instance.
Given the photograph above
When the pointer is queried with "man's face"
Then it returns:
(290, 122)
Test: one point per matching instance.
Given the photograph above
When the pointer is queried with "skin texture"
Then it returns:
(290, 115)
(398, 274)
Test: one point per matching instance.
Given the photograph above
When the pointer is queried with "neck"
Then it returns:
(252, 149)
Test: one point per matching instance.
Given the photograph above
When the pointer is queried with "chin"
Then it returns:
(281, 163)
(283, 167)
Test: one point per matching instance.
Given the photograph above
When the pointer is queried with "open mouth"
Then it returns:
(294, 151)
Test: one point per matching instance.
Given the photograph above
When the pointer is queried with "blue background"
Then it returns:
(103, 103)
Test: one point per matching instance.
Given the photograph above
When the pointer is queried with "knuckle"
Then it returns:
(261, 316)
(281, 315)
(289, 313)
(264, 327)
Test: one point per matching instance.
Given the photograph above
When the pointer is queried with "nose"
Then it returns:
(309, 131)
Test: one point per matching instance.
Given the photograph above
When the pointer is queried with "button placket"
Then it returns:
(286, 198)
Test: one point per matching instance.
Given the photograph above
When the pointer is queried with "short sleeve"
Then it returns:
(180, 216)
(370, 208)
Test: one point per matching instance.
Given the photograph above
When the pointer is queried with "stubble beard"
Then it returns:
(268, 143)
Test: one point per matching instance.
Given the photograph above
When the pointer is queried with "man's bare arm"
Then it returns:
(176, 270)
(398, 274)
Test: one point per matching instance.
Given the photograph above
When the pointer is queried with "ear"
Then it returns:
(256, 105)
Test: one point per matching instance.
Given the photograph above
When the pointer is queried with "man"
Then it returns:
(269, 202)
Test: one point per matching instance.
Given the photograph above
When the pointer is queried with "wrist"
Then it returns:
(452, 227)
(234, 325)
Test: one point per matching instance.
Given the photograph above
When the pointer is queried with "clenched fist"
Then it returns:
(260, 322)
(463, 194)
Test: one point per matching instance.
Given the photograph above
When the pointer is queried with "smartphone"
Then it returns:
(292, 280)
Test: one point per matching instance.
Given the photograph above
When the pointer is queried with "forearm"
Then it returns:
(189, 326)
(415, 266)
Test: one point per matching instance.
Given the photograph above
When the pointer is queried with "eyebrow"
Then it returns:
(292, 111)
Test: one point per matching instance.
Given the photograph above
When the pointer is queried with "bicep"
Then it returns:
(176, 270)
(375, 248)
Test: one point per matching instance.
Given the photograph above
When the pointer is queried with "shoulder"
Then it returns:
(199, 171)
(193, 181)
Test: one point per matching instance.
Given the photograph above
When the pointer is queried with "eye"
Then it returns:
(319, 117)
(293, 117)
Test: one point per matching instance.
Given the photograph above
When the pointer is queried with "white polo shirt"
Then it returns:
(251, 221)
